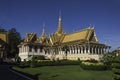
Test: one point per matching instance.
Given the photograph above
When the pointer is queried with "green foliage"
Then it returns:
(40, 57)
(2, 29)
(93, 66)
(17, 59)
(14, 40)
(24, 64)
(116, 68)
(33, 62)
(54, 63)
(108, 58)
(65, 49)
(71, 72)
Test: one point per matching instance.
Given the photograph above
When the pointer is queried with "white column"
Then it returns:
(38, 51)
(85, 49)
(75, 49)
(22, 49)
(70, 49)
(81, 49)
(98, 50)
(108, 49)
(92, 48)
(95, 50)
(28, 48)
(25, 48)
(104, 50)
(89, 49)
(33, 49)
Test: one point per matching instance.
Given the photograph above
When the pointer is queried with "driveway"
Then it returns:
(7, 74)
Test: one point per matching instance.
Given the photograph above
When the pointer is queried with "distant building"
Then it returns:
(3, 45)
(118, 50)
(82, 44)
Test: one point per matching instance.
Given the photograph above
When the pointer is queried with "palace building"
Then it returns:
(3, 45)
(82, 44)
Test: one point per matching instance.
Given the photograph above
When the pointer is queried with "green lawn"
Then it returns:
(73, 72)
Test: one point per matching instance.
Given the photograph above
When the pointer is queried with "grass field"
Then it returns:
(73, 72)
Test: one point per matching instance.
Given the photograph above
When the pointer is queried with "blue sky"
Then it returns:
(30, 15)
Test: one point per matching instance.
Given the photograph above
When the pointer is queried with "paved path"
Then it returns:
(7, 74)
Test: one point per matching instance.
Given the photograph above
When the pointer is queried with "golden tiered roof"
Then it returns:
(43, 36)
(30, 37)
(43, 39)
(3, 36)
(57, 37)
(87, 34)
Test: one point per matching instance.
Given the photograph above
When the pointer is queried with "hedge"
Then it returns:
(48, 63)
(56, 63)
(93, 66)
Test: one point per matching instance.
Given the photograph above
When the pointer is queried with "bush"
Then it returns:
(24, 64)
(38, 63)
(93, 66)
(116, 68)
(33, 62)
(56, 63)
(116, 77)
(40, 57)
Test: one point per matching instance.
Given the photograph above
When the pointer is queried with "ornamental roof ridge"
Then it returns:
(80, 30)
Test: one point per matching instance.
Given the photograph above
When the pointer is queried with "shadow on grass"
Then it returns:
(34, 77)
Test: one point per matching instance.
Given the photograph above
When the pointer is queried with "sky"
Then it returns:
(31, 15)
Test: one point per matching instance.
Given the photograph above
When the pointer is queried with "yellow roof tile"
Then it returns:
(3, 37)
(81, 35)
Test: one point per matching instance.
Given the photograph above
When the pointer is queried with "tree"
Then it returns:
(108, 58)
(33, 62)
(65, 49)
(14, 40)
(116, 68)
(2, 29)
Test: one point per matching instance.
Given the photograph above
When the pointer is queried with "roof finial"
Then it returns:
(60, 15)
(93, 26)
(43, 24)
(43, 32)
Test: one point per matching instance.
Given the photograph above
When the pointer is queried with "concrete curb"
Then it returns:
(20, 74)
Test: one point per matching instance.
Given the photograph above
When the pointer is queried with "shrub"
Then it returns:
(33, 62)
(93, 66)
(40, 57)
(24, 64)
(116, 68)
(56, 63)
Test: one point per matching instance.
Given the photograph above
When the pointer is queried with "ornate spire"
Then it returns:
(43, 32)
(60, 30)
